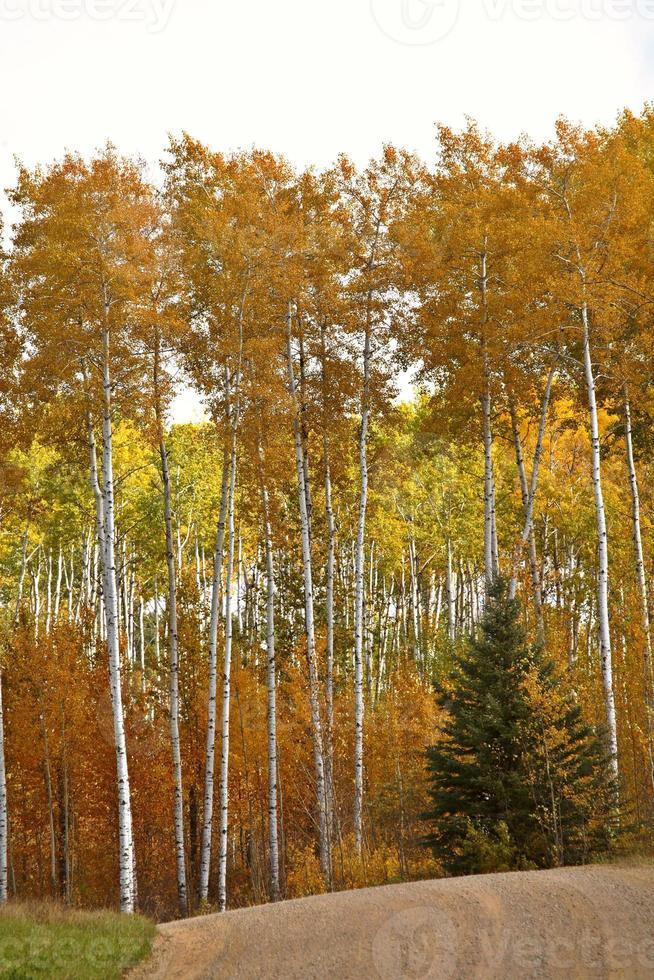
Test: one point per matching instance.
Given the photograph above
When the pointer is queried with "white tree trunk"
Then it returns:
(642, 581)
(36, 580)
(4, 822)
(157, 627)
(273, 837)
(359, 561)
(415, 600)
(21, 578)
(60, 572)
(314, 696)
(227, 668)
(449, 592)
(48, 605)
(173, 664)
(528, 501)
(106, 539)
(490, 546)
(329, 594)
(329, 651)
(207, 823)
(491, 559)
(603, 551)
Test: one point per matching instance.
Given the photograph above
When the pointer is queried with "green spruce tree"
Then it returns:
(518, 779)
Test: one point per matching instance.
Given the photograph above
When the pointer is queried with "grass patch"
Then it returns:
(42, 940)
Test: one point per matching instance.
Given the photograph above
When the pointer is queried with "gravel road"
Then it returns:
(577, 922)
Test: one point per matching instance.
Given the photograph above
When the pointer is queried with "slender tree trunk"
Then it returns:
(239, 579)
(142, 643)
(198, 582)
(642, 581)
(224, 747)
(36, 579)
(48, 604)
(173, 664)
(60, 571)
(359, 570)
(273, 837)
(439, 607)
(304, 428)
(329, 594)
(490, 556)
(528, 501)
(227, 667)
(21, 577)
(106, 538)
(207, 823)
(415, 601)
(449, 592)
(157, 627)
(603, 551)
(314, 696)
(4, 822)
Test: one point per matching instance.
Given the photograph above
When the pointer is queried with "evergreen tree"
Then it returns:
(518, 779)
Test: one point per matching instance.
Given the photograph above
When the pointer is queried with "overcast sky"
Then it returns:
(309, 78)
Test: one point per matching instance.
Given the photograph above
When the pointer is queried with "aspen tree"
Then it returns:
(159, 382)
(82, 260)
(375, 199)
(590, 213)
(316, 723)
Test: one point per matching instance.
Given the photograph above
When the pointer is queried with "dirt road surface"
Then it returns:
(595, 922)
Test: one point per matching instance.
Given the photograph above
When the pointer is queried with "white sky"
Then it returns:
(309, 78)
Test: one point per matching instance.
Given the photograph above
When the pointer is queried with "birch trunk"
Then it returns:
(603, 554)
(358, 591)
(4, 822)
(21, 578)
(207, 821)
(227, 666)
(490, 546)
(642, 579)
(415, 601)
(48, 605)
(490, 527)
(528, 493)
(273, 837)
(106, 537)
(329, 595)
(314, 697)
(173, 663)
(449, 591)
(36, 580)
(60, 571)
(157, 627)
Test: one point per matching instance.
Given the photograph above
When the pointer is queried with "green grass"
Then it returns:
(42, 940)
